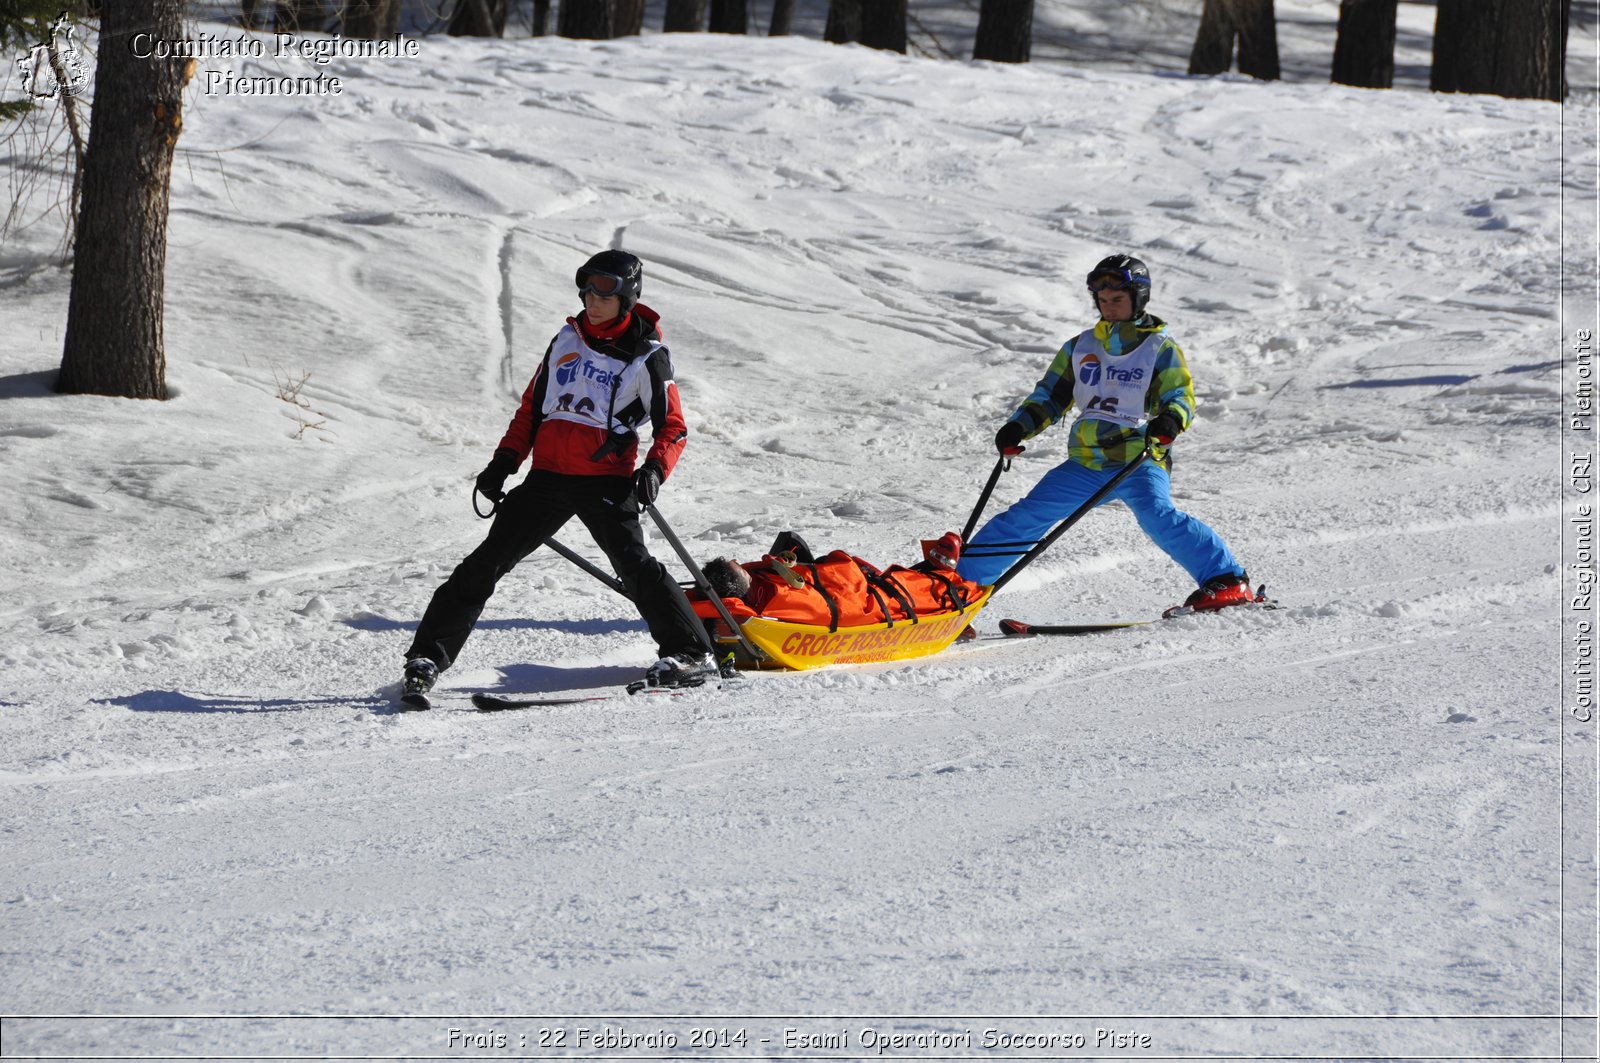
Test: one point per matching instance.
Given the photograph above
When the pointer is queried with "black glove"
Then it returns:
(1163, 428)
(491, 481)
(647, 483)
(1009, 437)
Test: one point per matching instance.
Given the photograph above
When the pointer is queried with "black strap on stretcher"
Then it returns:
(833, 606)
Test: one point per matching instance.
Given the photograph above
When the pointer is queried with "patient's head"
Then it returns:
(728, 578)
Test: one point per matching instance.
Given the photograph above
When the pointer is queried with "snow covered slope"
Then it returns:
(1347, 807)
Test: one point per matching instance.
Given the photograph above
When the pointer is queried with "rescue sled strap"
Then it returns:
(957, 600)
(833, 606)
(890, 584)
(883, 606)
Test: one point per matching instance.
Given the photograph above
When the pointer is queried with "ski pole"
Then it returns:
(571, 555)
(1000, 466)
(705, 585)
(594, 570)
(1077, 514)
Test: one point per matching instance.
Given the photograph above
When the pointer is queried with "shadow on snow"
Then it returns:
(177, 701)
(373, 622)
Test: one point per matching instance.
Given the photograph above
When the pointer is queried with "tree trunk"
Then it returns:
(729, 16)
(471, 18)
(844, 22)
(374, 20)
(1213, 43)
(1364, 52)
(1477, 51)
(114, 341)
(590, 20)
(1447, 26)
(1258, 39)
(782, 18)
(1514, 48)
(883, 25)
(1255, 26)
(1005, 31)
(541, 18)
(293, 16)
(684, 16)
(1532, 48)
(629, 17)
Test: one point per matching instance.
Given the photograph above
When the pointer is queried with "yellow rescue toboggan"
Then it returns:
(766, 642)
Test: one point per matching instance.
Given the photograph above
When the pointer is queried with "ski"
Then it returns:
(1022, 629)
(503, 702)
(500, 702)
(415, 703)
(1018, 629)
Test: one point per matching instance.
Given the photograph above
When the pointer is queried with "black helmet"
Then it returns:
(613, 273)
(1123, 273)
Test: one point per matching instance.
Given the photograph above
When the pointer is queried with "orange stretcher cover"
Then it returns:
(865, 615)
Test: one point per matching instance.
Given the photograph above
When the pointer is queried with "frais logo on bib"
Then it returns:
(567, 368)
(1092, 370)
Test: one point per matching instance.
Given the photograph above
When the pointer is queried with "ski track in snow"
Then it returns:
(1340, 806)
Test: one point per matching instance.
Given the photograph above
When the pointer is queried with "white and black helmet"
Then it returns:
(1121, 273)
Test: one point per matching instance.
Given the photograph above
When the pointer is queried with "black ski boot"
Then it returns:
(421, 674)
(688, 669)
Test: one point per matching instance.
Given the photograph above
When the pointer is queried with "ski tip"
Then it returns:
(1014, 628)
(415, 703)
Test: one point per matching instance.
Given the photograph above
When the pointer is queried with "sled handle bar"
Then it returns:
(1077, 515)
(705, 585)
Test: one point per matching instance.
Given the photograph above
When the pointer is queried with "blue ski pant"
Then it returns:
(1147, 491)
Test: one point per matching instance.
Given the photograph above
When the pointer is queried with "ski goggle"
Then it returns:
(604, 285)
(1104, 281)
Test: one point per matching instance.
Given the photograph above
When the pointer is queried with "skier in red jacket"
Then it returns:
(604, 374)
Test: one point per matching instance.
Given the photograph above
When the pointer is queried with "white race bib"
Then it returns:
(1111, 387)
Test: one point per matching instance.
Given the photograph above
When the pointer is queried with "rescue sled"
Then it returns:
(841, 610)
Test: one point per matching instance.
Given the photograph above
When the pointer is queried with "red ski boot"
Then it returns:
(1218, 592)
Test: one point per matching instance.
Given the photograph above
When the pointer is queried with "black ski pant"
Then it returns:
(532, 512)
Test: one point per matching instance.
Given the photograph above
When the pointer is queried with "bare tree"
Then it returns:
(586, 19)
(1448, 30)
(1514, 48)
(292, 16)
(471, 18)
(375, 19)
(684, 16)
(629, 17)
(115, 343)
(1363, 54)
(844, 22)
(782, 18)
(1213, 42)
(1253, 23)
(729, 16)
(1005, 31)
(883, 25)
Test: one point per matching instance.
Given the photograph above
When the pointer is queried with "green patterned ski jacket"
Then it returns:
(1101, 444)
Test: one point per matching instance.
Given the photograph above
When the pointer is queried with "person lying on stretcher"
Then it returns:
(838, 590)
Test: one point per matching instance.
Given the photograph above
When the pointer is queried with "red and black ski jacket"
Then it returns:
(591, 392)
